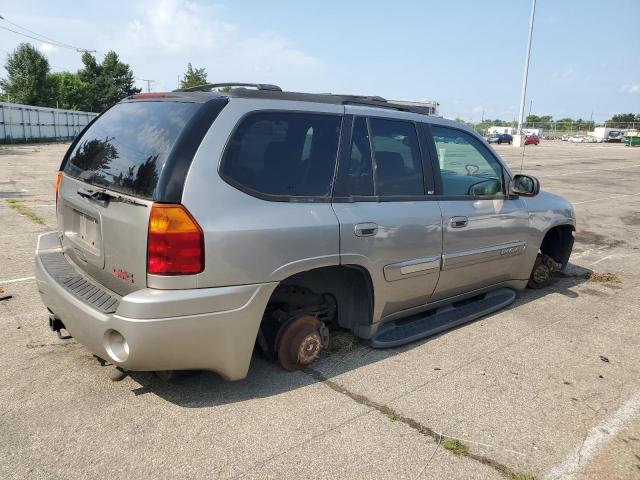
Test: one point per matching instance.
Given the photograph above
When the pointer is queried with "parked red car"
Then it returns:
(532, 140)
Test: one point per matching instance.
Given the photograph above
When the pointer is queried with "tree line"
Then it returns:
(93, 88)
(547, 123)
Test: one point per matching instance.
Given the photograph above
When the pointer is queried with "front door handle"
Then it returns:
(366, 229)
(458, 222)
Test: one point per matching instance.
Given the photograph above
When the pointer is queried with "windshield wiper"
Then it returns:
(105, 196)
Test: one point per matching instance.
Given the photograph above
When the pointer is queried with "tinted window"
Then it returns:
(280, 153)
(126, 148)
(397, 156)
(467, 167)
(360, 170)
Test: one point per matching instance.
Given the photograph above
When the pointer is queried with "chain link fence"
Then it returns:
(27, 123)
(556, 130)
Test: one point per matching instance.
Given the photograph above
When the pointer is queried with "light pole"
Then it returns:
(526, 69)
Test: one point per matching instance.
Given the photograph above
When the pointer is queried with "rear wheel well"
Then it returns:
(341, 296)
(558, 243)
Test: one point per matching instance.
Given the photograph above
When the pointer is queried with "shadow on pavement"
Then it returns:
(266, 379)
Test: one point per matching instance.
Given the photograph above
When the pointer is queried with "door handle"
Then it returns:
(458, 222)
(366, 229)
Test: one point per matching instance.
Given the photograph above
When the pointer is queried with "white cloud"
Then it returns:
(189, 31)
(47, 48)
(631, 88)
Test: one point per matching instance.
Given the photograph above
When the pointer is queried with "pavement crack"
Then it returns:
(410, 422)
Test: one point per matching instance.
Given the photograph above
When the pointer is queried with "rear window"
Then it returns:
(284, 154)
(127, 147)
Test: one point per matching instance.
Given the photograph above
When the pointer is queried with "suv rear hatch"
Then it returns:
(135, 153)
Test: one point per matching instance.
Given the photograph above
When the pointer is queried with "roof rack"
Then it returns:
(274, 92)
(210, 86)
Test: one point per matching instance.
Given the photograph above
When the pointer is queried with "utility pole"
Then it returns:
(526, 68)
(149, 82)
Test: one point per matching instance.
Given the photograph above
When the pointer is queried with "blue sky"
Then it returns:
(468, 55)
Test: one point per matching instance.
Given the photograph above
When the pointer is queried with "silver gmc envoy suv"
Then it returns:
(195, 226)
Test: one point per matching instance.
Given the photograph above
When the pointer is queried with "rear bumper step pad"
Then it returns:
(78, 285)
(416, 327)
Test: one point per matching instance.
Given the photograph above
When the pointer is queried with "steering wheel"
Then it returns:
(471, 170)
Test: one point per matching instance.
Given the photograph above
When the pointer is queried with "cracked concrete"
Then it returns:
(523, 388)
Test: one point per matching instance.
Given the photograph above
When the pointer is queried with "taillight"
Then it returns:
(58, 180)
(175, 245)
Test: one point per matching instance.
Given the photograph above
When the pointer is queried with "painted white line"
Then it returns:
(29, 205)
(16, 280)
(590, 170)
(598, 436)
(606, 198)
(602, 259)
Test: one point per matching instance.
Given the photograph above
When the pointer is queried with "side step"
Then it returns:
(415, 327)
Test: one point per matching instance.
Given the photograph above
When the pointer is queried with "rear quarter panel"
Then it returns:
(248, 239)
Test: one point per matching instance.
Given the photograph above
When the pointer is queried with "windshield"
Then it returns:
(127, 147)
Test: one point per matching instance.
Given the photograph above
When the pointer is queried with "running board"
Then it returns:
(415, 327)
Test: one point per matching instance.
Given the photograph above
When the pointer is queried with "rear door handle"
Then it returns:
(458, 222)
(366, 229)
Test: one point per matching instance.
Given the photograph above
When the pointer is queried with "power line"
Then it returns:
(149, 82)
(40, 37)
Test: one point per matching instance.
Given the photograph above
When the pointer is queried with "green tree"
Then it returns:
(117, 80)
(193, 77)
(27, 72)
(623, 120)
(105, 83)
(67, 91)
(564, 124)
(545, 122)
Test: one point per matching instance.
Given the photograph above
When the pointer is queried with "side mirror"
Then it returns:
(525, 185)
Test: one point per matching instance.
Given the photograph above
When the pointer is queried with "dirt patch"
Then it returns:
(631, 219)
(606, 277)
(595, 239)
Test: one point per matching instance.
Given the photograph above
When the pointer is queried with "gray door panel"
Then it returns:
(487, 250)
(402, 257)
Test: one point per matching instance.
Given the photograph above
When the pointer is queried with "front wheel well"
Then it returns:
(558, 243)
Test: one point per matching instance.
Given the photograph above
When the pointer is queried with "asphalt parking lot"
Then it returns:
(548, 387)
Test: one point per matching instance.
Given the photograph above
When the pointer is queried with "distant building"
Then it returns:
(507, 130)
(532, 131)
(430, 107)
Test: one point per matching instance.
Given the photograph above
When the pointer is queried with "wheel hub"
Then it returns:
(309, 349)
(541, 274)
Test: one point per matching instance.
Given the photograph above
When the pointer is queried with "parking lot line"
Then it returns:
(594, 170)
(598, 436)
(602, 259)
(606, 198)
(16, 280)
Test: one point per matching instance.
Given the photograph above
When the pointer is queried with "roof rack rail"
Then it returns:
(209, 86)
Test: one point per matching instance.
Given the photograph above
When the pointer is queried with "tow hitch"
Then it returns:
(56, 325)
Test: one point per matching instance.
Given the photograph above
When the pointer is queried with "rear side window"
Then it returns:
(397, 156)
(284, 154)
(127, 147)
(360, 170)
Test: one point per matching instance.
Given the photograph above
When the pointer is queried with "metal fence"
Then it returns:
(26, 123)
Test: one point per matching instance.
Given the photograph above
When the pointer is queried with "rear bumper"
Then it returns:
(208, 328)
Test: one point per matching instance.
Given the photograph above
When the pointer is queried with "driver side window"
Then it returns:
(466, 166)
